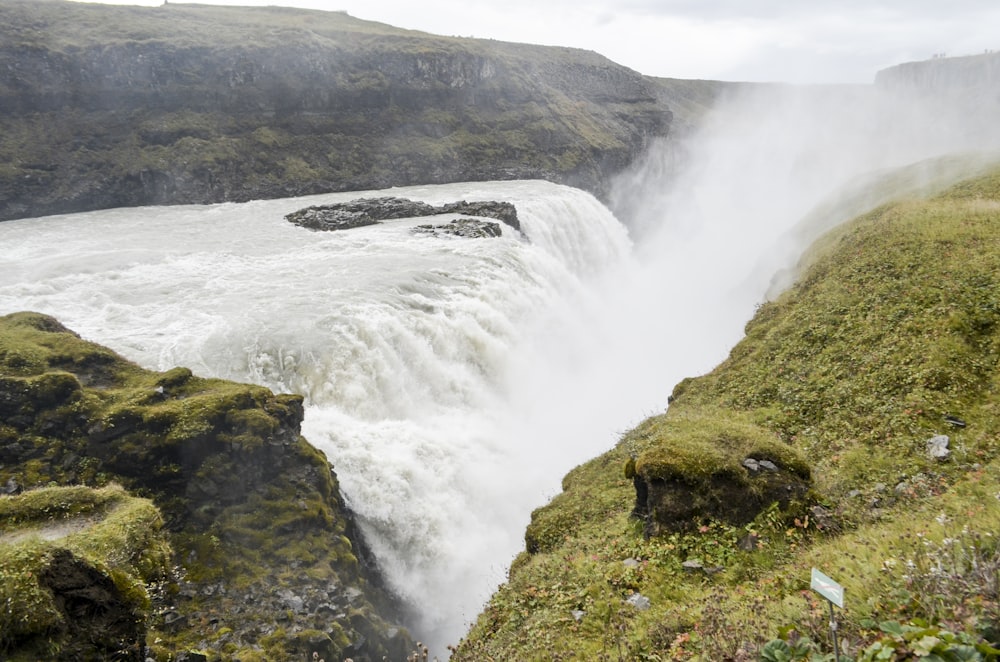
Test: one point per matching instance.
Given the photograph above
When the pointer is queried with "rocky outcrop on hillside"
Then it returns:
(104, 106)
(269, 559)
(717, 468)
(78, 566)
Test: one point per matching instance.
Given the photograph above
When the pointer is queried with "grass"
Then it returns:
(47, 505)
(890, 336)
(697, 445)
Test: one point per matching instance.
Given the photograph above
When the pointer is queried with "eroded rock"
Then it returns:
(371, 211)
(256, 516)
(467, 228)
(100, 623)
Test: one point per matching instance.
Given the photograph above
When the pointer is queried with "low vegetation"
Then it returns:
(890, 337)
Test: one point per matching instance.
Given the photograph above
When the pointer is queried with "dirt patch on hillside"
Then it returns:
(53, 530)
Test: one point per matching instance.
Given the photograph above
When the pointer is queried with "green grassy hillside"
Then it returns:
(890, 337)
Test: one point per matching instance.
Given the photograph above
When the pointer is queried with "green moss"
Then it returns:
(591, 493)
(892, 329)
(693, 445)
(117, 534)
(48, 504)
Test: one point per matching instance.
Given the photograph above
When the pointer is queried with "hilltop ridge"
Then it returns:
(104, 106)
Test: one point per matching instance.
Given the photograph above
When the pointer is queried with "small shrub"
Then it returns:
(917, 641)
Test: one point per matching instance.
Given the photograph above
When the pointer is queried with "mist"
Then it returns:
(716, 218)
(729, 207)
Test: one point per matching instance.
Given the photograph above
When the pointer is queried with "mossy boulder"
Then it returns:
(76, 567)
(253, 511)
(704, 465)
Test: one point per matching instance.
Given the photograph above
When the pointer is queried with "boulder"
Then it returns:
(713, 465)
(358, 213)
(937, 447)
(466, 228)
(639, 601)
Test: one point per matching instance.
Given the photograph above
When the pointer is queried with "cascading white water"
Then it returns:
(454, 382)
(407, 348)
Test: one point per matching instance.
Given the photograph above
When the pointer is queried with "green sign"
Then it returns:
(828, 588)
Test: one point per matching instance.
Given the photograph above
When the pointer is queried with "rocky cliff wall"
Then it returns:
(268, 558)
(976, 76)
(104, 106)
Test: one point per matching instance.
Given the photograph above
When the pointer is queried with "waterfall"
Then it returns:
(454, 382)
(420, 357)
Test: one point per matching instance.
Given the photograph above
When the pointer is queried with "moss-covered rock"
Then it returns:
(76, 567)
(703, 465)
(254, 512)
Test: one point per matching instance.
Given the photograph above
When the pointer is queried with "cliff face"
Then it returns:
(105, 106)
(973, 75)
(268, 555)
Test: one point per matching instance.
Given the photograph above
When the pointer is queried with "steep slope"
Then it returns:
(888, 343)
(269, 565)
(104, 106)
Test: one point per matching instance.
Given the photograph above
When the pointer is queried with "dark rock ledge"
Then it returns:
(371, 211)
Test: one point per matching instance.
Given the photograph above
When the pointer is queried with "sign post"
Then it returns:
(834, 593)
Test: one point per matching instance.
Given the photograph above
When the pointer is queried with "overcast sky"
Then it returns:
(800, 41)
